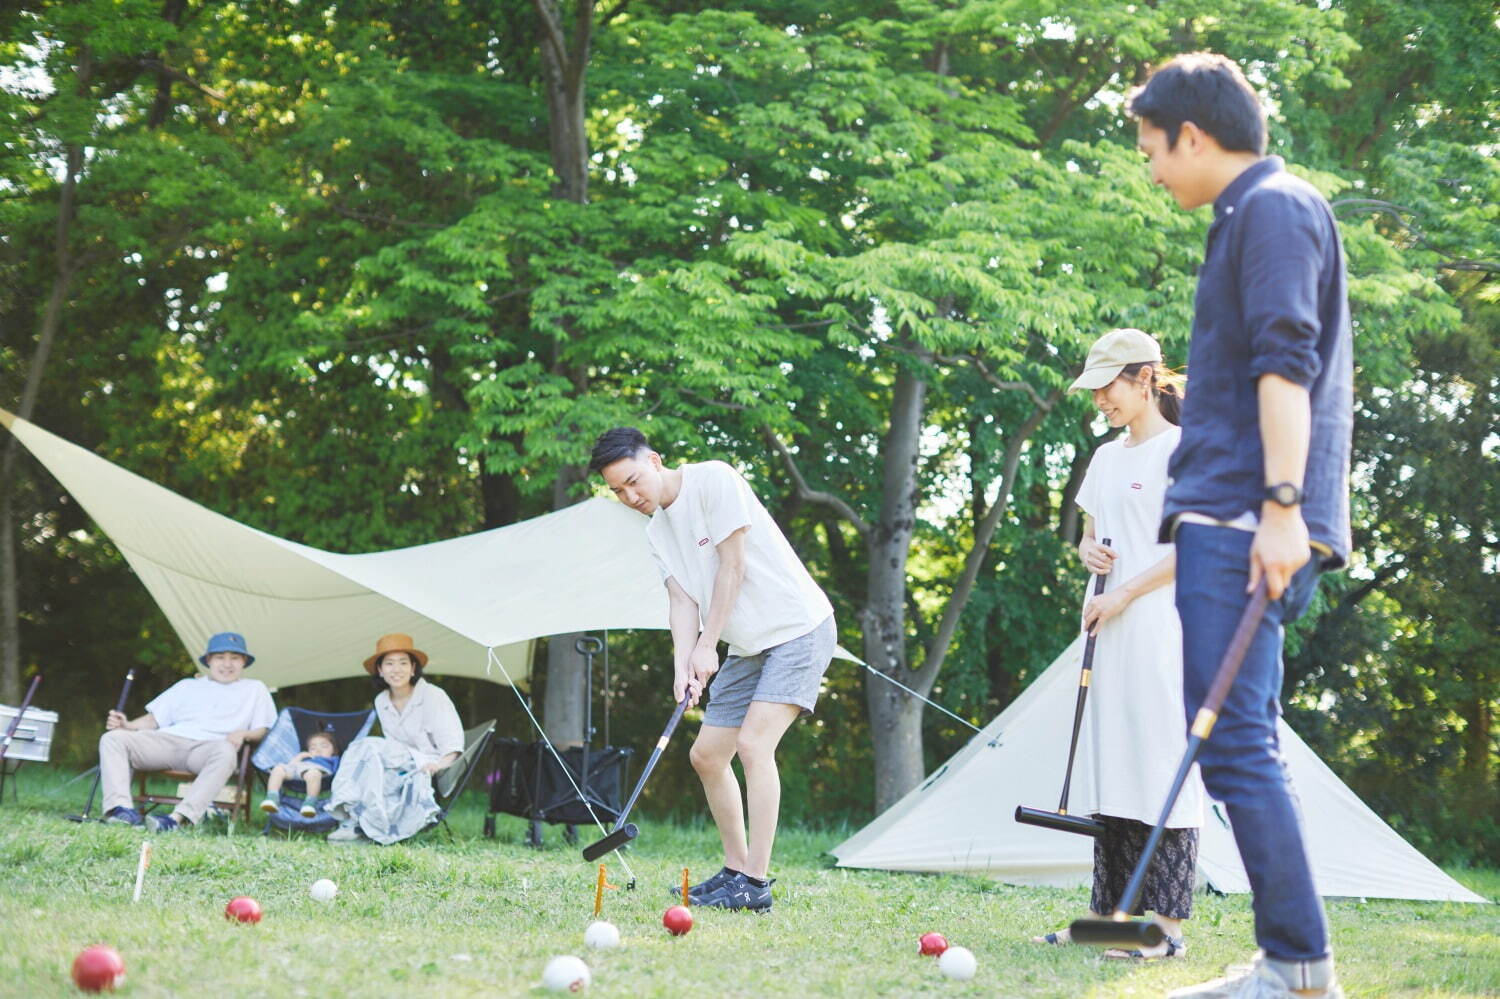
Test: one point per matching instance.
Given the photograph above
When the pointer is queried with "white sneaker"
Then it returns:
(347, 832)
(1250, 981)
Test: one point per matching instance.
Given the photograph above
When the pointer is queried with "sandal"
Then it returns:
(1055, 939)
(1176, 947)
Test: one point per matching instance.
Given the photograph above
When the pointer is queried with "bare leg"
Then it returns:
(277, 776)
(759, 736)
(314, 781)
(711, 755)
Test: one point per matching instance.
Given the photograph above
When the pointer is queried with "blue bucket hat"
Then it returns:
(227, 641)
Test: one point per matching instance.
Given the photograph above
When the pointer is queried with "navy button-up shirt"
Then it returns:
(1271, 299)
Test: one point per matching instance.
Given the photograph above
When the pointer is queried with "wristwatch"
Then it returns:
(1284, 494)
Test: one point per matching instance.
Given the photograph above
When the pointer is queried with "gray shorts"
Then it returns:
(789, 673)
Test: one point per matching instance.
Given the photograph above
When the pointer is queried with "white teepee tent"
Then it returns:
(962, 818)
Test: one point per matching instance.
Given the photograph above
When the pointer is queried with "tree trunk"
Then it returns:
(564, 65)
(1479, 722)
(565, 702)
(10, 590)
(895, 716)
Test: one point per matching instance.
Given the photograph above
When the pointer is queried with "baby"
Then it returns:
(309, 766)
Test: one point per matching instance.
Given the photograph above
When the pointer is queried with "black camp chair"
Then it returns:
(286, 739)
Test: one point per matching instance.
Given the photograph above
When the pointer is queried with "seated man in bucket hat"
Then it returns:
(197, 725)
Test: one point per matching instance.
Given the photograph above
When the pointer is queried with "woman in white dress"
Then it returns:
(1133, 734)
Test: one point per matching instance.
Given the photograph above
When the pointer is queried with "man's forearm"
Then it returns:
(726, 591)
(1285, 427)
(682, 618)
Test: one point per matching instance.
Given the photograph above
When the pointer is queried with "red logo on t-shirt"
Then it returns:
(705, 540)
(1135, 485)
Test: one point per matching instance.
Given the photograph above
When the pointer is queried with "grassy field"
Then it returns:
(477, 917)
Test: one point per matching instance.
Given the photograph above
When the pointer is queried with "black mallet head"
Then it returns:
(1081, 824)
(612, 842)
(1126, 933)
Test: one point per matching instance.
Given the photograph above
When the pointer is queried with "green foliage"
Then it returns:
(325, 284)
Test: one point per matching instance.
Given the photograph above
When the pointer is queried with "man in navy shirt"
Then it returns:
(1259, 483)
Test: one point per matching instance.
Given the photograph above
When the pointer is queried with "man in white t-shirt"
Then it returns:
(197, 725)
(730, 574)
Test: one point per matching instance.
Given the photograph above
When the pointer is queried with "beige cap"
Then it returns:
(1111, 353)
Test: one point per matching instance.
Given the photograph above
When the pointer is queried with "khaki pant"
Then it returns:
(122, 751)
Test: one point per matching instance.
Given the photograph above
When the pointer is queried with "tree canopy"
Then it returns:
(368, 275)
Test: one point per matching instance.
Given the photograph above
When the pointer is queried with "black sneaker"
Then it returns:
(123, 815)
(739, 892)
(697, 892)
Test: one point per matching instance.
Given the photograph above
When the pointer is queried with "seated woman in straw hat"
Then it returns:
(383, 788)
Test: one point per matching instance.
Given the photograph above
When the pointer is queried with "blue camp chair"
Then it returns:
(286, 739)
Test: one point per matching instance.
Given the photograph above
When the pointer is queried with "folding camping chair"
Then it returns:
(449, 782)
(235, 797)
(286, 739)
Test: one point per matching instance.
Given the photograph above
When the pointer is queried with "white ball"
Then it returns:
(566, 974)
(602, 935)
(959, 963)
(323, 890)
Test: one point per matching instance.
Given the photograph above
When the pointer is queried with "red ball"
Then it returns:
(931, 944)
(99, 969)
(243, 908)
(678, 920)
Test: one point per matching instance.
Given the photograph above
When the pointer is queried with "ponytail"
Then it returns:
(1168, 388)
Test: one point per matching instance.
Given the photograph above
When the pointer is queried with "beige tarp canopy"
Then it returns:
(313, 615)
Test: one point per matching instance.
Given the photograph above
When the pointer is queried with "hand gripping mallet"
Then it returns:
(623, 831)
(1060, 819)
(120, 707)
(1119, 930)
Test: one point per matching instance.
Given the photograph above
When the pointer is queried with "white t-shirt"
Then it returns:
(1134, 731)
(778, 601)
(202, 708)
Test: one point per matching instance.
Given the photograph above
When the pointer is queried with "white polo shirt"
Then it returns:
(778, 600)
(202, 708)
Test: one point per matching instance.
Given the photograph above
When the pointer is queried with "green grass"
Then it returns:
(477, 917)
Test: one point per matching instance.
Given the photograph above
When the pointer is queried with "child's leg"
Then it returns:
(272, 799)
(313, 778)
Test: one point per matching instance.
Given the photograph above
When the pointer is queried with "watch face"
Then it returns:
(1284, 493)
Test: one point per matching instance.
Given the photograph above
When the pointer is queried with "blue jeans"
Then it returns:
(1241, 760)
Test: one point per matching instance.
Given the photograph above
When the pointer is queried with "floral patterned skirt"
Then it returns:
(1168, 890)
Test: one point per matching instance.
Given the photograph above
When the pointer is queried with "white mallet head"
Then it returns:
(959, 963)
(602, 935)
(323, 890)
(566, 974)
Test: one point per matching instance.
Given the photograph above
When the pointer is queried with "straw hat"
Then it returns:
(395, 643)
(1112, 352)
